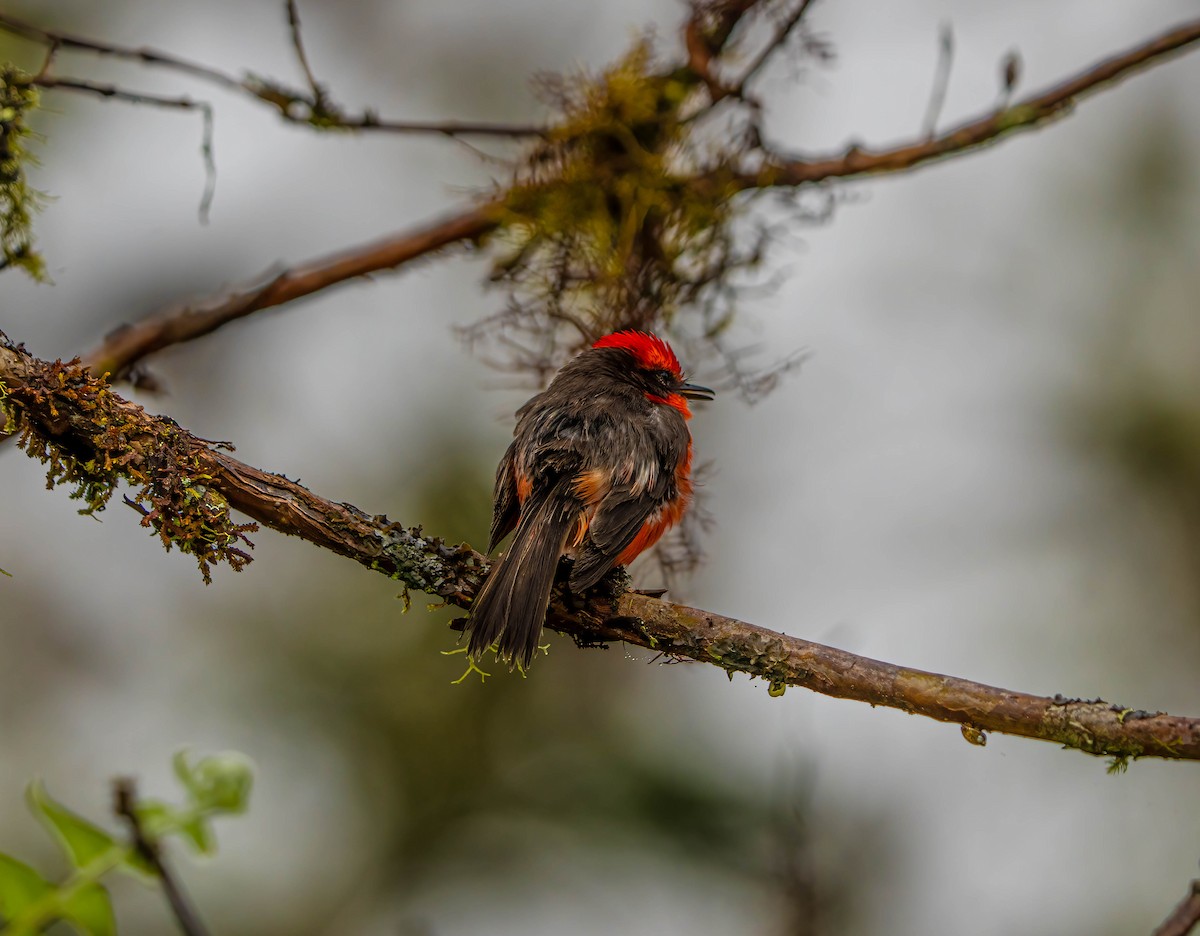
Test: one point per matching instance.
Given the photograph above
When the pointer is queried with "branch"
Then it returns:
(294, 106)
(48, 398)
(773, 45)
(130, 343)
(125, 806)
(1027, 114)
(708, 30)
(1184, 917)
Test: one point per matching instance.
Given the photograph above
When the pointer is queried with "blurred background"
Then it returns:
(988, 465)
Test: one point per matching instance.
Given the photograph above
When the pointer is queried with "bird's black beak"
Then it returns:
(695, 392)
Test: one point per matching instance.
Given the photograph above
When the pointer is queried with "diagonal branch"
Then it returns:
(48, 397)
(1184, 917)
(130, 343)
(1028, 114)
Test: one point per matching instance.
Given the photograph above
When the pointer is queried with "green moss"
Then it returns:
(18, 200)
(608, 222)
(93, 442)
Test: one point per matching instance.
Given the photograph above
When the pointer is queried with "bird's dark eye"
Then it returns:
(664, 378)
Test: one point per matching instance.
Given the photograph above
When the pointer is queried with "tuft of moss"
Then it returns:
(93, 441)
(618, 216)
(18, 200)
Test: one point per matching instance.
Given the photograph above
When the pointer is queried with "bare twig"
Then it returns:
(1031, 112)
(291, 104)
(60, 40)
(1184, 917)
(184, 102)
(773, 45)
(455, 572)
(941, 80)
(125, 806)
(293, 15)
(112, 91)
(131, 343)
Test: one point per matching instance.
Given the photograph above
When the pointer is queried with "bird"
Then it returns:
(599, 469)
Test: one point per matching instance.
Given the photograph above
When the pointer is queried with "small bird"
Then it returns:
(599, 468)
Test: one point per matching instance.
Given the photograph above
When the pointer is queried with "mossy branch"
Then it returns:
(93, 438)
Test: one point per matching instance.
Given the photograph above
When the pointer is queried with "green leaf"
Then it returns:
(81, 840)
(219, 783)
(198, 834)
(183, 770)
(20, 886)
(157, 818)
(90, 910)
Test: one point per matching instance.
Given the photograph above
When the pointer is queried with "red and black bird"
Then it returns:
(599, 468)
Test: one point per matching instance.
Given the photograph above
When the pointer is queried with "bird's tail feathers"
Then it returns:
(511, 607)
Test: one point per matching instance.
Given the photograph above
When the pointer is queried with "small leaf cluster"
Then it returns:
(18, 200)
(214, 786)
(93, 440)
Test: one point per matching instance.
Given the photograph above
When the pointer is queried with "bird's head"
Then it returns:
(655, 369)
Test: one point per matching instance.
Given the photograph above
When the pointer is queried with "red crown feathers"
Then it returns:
(650, 351)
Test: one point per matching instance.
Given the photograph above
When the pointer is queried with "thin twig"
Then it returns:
(125, 806)
(293, 15)
(155, 100)
(941, 80)
(776, 42)
(56, 404)
(142, 54)
(1184, 917)
(112, 91)
(1030, 112)
(292, 105)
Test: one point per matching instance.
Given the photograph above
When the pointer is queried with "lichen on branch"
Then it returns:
(93, 441)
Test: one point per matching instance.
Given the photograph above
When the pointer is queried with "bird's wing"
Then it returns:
(506, 506)
(617, 521)
(635, 497)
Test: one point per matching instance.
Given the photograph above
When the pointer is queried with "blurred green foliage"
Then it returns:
(216, 785)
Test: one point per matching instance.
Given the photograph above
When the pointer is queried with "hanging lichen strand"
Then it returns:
(619, 216)
(18, 201)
